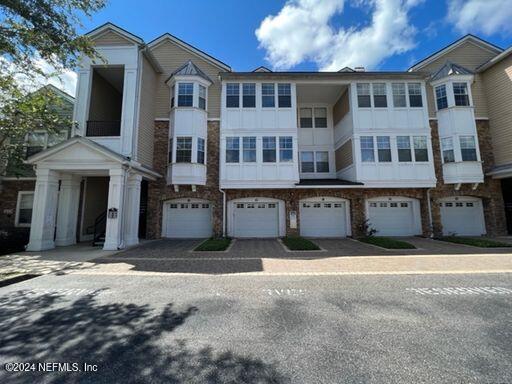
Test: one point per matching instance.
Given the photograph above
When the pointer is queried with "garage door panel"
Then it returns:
(188, 220)
(323, 219)
(395, 218)
(256, 219)
(462, 217)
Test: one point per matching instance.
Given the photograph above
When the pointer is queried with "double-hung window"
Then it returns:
(284, 92)
(468, 148)
(322, 161)
(379, 95)
(306, 117)
(185, 94)
(307, 162)
(447, 149)
(269, 149)
(200, 150)
(24, 209)
(363, 95)
(383, 149)
(403, 144)
(460, 94)
(420, 148)
(249, 149)
(232, 149)
(202, 97)
(285, 149)
(441, 98)
(320, 117)
(36, 143)
(232, 95)
(183, 149)
(268, 95)
(249, 95)
(399, 100)
(367, 151)
(415, 98)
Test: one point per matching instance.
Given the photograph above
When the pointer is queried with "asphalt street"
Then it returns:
(258, 329)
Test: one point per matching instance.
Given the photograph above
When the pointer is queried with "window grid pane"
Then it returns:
(399, 95)
(185, 94)
(184, 150)
(447, 149)
(367, 153)
(404, 148)
(384, 149)
(249, 95)
(420, 148)
(269, 149)
(284, 95)
(232, 95)
(322, 161)
(441, 99)
(249, 149)
(363, 95)
(285, 149)
(460, 93)
(232, 149)
(267, 95)
(202, 97)
(415, 98)
(307, 164)
(379, 95)
(320, 117)
(200, 150)
(468, 148)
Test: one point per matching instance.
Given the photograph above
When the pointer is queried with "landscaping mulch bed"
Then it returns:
(296, 243)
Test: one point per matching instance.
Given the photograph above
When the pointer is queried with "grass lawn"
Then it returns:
(214, 244)
(386, 242)
(296, 243)
(475, 242)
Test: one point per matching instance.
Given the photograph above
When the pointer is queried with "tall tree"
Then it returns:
(36, 35)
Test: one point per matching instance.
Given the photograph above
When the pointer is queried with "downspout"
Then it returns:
(121, 243)
(430, 214)
(223, 212)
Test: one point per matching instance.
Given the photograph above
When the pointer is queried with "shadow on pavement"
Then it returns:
(126, 341)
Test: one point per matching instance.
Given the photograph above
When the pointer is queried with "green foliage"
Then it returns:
(32, 33)
(214, 244)
(386, 242)
(475, 242)
(297, 243)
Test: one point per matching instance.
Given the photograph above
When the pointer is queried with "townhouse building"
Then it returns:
(171, 142)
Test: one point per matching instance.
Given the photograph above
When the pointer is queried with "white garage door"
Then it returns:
(462, 217)
(188, 220)
(392, 218)
(256, 219)
(323, 219)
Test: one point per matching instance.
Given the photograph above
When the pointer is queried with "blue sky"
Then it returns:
(307, 35)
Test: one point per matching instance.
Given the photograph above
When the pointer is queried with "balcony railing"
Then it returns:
(103, 128)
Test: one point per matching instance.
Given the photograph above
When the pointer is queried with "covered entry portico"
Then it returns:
(59, 172)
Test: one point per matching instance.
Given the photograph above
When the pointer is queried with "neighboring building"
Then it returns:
(17, 183)
(170, 142)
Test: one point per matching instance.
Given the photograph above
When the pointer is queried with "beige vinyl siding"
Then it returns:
(341, 108)
(469, 56)
(171, 57)
(146, 124)
(344, 156)
(498, 85)
(111, 38)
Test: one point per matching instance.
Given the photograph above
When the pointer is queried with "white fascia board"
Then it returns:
(201, 80)
(453, 78)
(495, 60)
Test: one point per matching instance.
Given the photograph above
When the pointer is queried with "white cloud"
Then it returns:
(484, 16)
(301, 31)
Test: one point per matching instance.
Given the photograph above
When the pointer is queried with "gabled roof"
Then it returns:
(346, 69)
(189, 69)
(449, 69)
(58, 92)
(262, 69)
(495, 60)
(468, 38)
(114, 28)
(167, 36)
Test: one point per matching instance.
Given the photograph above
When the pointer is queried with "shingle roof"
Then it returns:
(449, 69)
(190, 69)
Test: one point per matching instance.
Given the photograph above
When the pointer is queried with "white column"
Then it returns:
(132, 209)
(114, 231)
(67, 213)
(42, 228)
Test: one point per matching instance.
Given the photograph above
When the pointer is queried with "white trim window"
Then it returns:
(415, 96)
(232, 149)
(249, 95)
(403, 144)
(367, 149)
(447, 150)
(185, 94)
(306, 117)
(24, 207)
(200, 150)
(39, 141)
(468, 148)
(202, 97)
(399, 99)
(232, 95)
(284, 93)
(320, 117)
(268, 96)
(184, 149)
(379, 95)
(313, 117)
(249, 149)
(269, 149)
(441, 97)
(307, 162)
(383, 149)
(285, 149)
(420, 148)
(363, 95)
(460, 94)
(322, 162)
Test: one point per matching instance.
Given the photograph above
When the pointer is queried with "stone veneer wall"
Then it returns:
(9, 199)
(159, 191)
